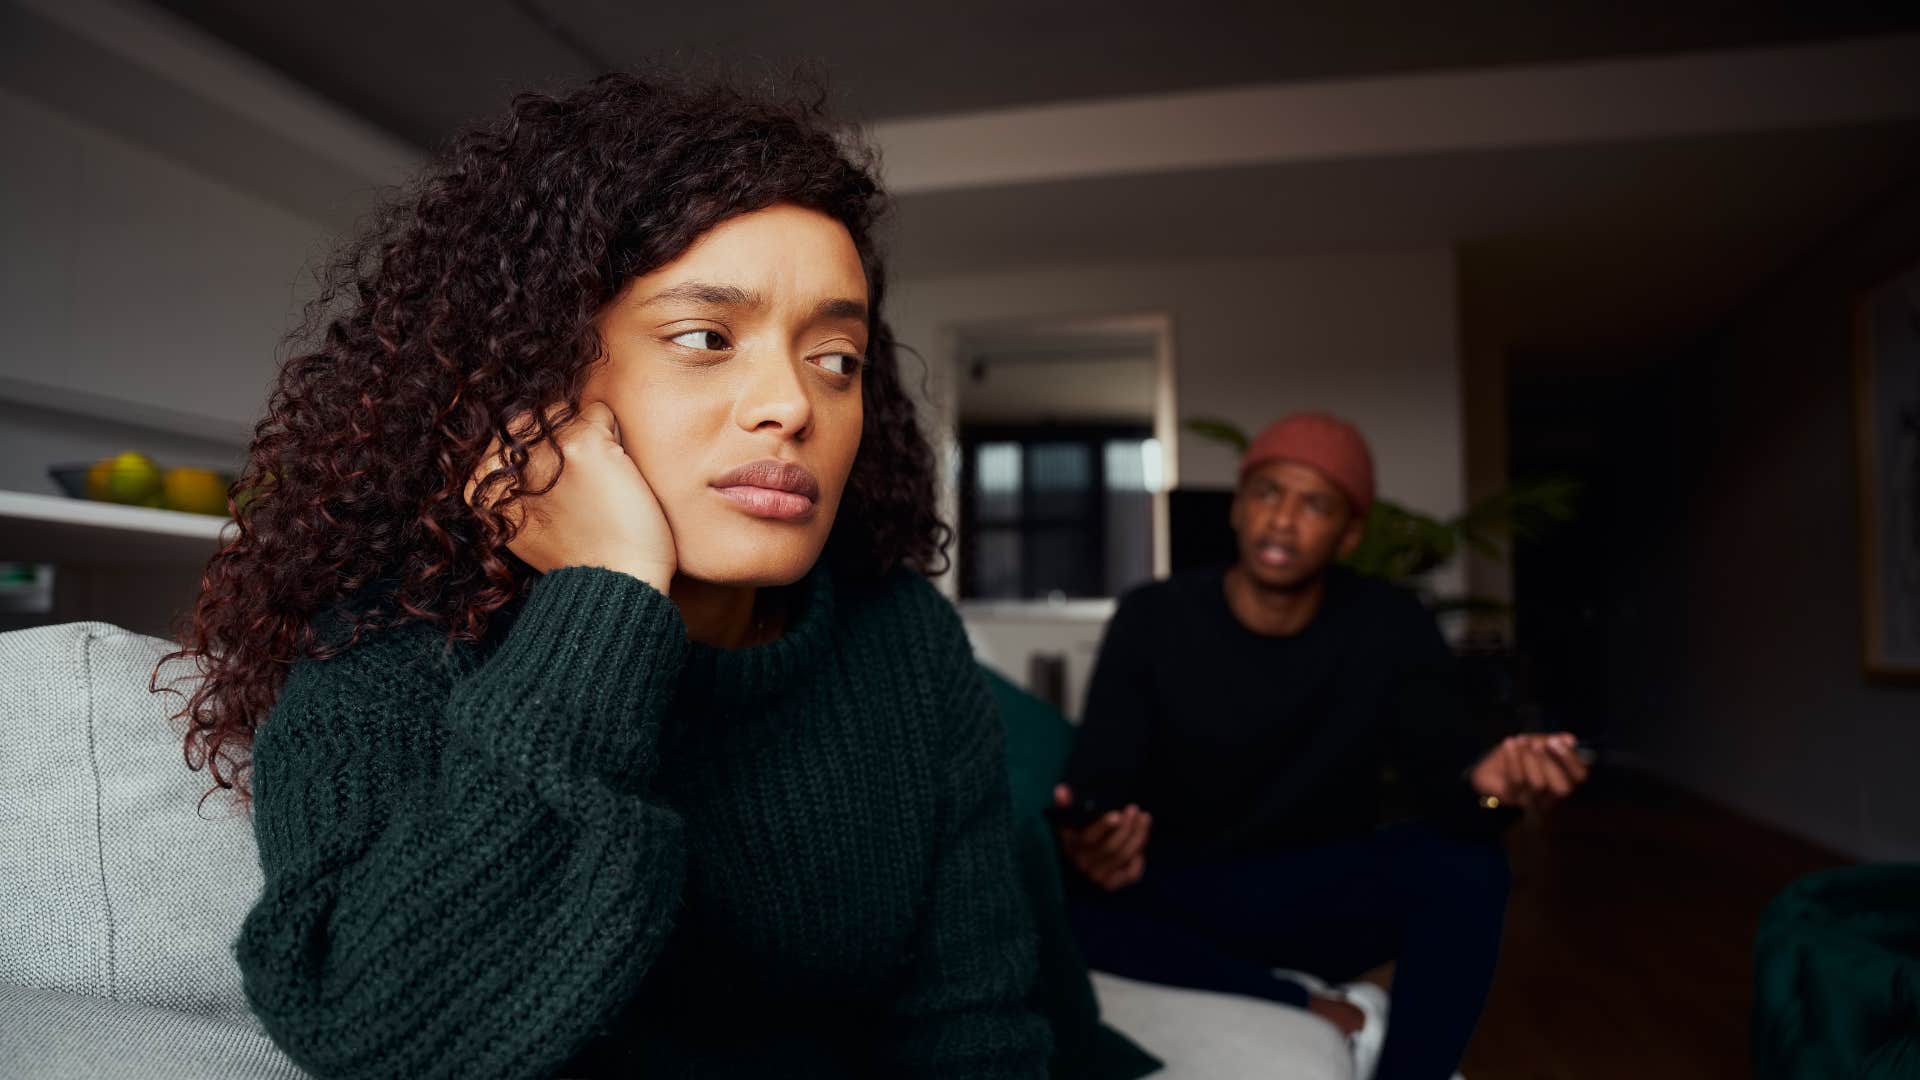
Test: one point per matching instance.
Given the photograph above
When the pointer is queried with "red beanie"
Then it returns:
(1326, 443)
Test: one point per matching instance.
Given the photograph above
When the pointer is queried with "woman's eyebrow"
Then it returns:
(703, 292)
(706, 292)
(841, 308)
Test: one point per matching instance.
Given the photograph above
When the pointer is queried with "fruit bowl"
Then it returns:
(134, 480)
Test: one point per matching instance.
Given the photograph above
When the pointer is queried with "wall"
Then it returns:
(1370, 336)
(1738, 631)
(1039, 391)
(142, 281)
(163, 197)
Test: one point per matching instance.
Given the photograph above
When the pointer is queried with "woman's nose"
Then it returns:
(774, 397)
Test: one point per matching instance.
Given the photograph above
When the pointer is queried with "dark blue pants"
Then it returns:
(1428, 902)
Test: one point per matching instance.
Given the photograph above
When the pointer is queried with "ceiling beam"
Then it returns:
(1825, 85)
(149, 38)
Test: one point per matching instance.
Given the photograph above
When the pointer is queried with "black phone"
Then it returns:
(1593, 751)
(1083, 811)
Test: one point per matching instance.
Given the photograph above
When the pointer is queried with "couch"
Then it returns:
(121, 892)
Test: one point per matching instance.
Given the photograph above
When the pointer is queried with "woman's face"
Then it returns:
(734, 374)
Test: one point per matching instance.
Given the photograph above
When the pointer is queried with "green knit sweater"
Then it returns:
(590, 846)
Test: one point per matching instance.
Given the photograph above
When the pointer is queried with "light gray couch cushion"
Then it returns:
(56, 1035)
(115, 881)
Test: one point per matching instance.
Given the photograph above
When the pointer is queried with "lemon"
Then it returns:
(130, 478)
(197, 491)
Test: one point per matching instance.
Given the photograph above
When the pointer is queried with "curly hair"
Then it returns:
(469, 301)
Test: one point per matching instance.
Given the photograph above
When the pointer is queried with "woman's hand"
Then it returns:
(600, 513)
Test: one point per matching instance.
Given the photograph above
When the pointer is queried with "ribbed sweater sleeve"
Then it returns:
(964, 1011)
(487, 916)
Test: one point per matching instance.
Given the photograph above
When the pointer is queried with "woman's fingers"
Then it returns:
(598, 415)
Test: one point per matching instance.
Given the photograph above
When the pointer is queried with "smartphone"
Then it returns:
(1592, 751)
(1083, 811)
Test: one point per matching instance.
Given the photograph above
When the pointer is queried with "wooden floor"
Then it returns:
(1628, 938)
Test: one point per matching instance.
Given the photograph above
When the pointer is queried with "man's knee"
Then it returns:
(1461, 871)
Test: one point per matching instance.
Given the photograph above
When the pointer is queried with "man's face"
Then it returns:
(1291, 523)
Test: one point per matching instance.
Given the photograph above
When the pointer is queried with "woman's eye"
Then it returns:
(701, 339)
(841, 363)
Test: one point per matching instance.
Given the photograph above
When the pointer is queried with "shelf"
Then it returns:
(1082, 610)
(59, 530)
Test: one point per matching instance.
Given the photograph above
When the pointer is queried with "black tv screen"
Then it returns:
(1198, 533)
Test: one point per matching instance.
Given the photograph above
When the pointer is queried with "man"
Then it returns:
(1239, 731)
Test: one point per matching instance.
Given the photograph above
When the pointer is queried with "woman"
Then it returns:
(619, 731)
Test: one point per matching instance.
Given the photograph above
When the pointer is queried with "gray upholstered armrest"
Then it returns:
(56, 1035)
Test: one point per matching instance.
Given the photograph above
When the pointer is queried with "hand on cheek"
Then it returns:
(600, 512)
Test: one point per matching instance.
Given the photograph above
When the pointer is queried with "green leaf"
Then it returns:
(1525, 511)
(1224, 431)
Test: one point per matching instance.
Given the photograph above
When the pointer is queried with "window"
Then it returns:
(1056, 510)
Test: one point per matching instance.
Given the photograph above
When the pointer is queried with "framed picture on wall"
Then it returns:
(1887, 383)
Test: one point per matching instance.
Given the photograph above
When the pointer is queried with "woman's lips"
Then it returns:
(769, 503)
(779, 490)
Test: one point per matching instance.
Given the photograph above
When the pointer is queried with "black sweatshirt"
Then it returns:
(1239, 743)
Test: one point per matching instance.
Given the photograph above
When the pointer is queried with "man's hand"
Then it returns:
(1110, 852)
(1531, 771)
